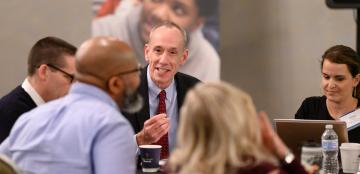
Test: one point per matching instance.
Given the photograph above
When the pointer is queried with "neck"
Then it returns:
(38, 86)
(338, 109)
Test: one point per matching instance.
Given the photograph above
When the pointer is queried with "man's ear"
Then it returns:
(42, 72)
(115, 86)
(356, 80)
(184, 57)
(147, 52)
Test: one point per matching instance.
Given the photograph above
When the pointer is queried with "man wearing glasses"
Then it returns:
(84, 132)
(51, 68)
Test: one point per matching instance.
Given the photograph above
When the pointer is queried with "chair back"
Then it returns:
(7, 166)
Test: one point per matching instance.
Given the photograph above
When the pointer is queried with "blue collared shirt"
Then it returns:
(82, 133)
(171, 106)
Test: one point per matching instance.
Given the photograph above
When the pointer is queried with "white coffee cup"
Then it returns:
(350, 157)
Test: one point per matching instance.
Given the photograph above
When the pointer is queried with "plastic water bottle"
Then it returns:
(329, 142)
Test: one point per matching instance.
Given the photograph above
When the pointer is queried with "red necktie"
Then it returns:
(164, 142)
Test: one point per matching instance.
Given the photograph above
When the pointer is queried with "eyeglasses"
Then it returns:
(129, 71)
(70, 76)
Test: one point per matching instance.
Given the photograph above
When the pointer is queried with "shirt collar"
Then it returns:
(32, 92)
(94, 91)
(155, 90)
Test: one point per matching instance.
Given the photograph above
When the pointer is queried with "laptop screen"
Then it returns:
(296, 132)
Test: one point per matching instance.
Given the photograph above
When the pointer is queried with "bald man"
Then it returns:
(84, 132)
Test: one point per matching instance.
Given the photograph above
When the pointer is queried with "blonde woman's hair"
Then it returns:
(218, 131)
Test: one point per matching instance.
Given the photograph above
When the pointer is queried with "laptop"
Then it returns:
(296, 132)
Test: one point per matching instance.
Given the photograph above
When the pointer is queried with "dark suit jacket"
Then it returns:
(183, 83)
(12, 106)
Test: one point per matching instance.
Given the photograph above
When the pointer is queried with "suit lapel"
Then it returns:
(180, 91)
(144, 113)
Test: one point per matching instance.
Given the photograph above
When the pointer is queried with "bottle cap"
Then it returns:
(329, 126)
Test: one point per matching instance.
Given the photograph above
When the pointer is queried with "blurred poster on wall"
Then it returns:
(131, 21)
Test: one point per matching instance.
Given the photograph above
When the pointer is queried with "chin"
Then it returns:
(161, 79)
(333, 98)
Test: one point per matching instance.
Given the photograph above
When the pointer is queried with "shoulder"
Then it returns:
(199, 45)
(185, 80)
(94, 111)
(113, 25)
(204, 61)
(313, 108)
(17, 100)
(314, 100)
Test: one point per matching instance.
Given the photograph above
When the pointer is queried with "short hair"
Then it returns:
(49, 50)
(207, 7)
(218, 132)
(169, 24)
(342, 54)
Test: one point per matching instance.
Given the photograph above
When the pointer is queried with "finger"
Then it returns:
(155, 118)
(265, 123)
(154, 124)
(160, 130)
(165, 127)
(264, 118)
(280, 149)
(266, 133)
(156, 130)
(156, 135)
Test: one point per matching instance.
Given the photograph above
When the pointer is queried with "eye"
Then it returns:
(158, 50)
(339, 79)
(157, 1)
(325, 76)
(179, 9)
(173, 52)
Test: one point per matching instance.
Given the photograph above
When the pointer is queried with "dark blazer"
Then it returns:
(183, 83)
(12, 106)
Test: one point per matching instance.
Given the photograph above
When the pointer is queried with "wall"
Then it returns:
(272, 48)
(269, 48)
(25, 22)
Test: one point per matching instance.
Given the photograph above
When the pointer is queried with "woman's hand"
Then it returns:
(270, 139)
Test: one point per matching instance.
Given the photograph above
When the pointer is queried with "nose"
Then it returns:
(162, 13)
(163, 58)
(332, 84)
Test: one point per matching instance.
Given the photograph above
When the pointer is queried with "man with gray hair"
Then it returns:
(162, 87)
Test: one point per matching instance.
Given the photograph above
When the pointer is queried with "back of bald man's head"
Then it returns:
(102, 57)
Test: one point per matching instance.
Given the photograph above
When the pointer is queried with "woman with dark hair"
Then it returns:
(340, 66)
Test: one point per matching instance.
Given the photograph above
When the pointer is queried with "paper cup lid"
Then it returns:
(350, 146)
(152, 146)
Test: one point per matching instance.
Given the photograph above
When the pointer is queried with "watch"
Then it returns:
(289, 158)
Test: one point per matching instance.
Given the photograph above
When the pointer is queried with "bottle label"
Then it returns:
(329, 145)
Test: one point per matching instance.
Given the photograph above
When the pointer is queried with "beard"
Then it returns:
(133, 101)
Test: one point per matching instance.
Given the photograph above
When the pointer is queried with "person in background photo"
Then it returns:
(83, 132)
(220, 132)
(134, 22)
(51, 68)
(340, 68)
